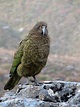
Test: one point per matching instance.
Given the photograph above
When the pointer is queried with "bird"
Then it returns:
(31, 55)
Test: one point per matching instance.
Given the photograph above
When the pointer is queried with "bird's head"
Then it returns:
(41, 28)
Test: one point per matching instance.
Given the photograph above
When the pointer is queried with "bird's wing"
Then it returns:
(17, 57)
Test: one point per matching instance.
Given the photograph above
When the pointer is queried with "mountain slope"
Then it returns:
(9, 38)
(63, 18)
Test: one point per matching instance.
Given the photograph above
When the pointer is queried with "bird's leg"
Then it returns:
(36, 81)
(30, 81)
(27, 83)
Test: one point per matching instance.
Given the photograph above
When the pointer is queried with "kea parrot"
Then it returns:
(31, 55)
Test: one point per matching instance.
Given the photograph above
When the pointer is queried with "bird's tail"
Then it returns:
(14, 79)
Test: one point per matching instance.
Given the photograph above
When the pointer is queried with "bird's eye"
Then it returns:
(37, 27)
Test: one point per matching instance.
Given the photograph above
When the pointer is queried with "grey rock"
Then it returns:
(75, 100)
(44, 95)
(30, 91)
(48, 94)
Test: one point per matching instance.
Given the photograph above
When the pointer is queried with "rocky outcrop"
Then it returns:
(47, 94)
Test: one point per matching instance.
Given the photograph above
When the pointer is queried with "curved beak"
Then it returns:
(44, 30)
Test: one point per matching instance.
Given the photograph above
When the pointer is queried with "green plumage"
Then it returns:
(31, 55)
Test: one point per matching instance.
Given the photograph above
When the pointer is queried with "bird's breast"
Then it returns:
(37, 49)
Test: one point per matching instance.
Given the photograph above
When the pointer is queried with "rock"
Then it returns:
(30, 91)
(48, 94)
(44, 95)
(75, 100)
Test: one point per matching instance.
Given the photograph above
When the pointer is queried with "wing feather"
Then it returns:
(17, 57)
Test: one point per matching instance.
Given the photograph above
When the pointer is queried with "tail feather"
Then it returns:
(14, 79)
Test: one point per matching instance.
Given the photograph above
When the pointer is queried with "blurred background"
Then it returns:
(17, 17)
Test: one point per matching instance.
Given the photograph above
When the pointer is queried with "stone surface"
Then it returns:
(47, 94)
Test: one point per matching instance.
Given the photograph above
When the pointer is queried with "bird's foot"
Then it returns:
(32, 81)
(36, 81)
